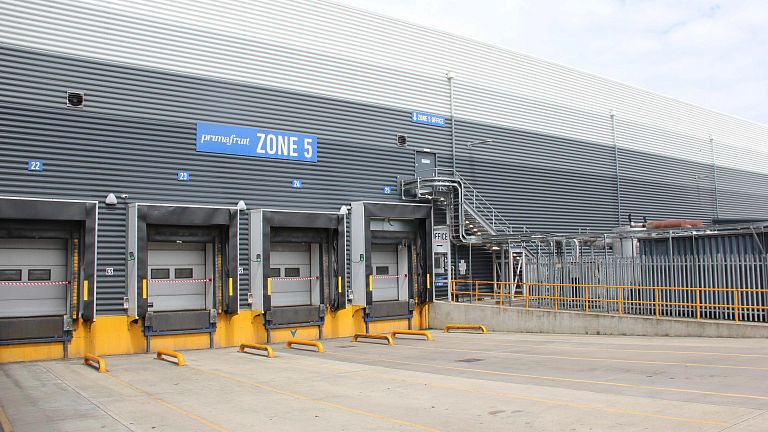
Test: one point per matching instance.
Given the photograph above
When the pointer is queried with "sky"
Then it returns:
(710, 53)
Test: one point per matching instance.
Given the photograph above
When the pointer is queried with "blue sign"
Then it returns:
(296, 183)
(388, 190)
(35, 165)
(182, 176)
(246, 141)
(427, 119)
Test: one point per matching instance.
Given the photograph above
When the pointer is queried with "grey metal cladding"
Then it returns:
(660, 187)
(138, 129)
(542, 182)
(327, 48)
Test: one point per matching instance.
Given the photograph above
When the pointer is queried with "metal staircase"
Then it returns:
(471, 218)
(473, 221)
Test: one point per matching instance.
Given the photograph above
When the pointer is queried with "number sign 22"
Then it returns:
(35, 165)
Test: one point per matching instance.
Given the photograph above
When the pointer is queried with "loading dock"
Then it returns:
(297, 267)
(47, 268)
(183, 263)
(391, 259)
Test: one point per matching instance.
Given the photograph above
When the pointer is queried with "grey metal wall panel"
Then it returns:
(138, 129)
(543, 182)
(660, 188)
(330, 49)
(481, 268)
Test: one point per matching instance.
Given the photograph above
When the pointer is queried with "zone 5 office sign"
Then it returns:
(246, 141)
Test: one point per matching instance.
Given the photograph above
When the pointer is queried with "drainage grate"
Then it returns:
(345, 346)
(470, 360)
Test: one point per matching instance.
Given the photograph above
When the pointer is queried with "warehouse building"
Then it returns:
(192, 174)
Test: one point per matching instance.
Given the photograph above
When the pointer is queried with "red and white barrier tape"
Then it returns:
(295, 278)
(179, 280)
(390, 276)
(36, 283)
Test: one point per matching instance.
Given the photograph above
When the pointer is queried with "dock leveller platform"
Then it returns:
(316, 344)
(424, 333)
(259, 347)
(480, 327)
(387, 338)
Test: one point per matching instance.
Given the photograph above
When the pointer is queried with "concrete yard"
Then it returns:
(458, 382)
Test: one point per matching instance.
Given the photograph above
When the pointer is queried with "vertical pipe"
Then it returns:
(451, 76)
(616, 160)
(471, 276)
(714, 175)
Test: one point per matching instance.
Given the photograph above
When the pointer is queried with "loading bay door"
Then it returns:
(290, 260)
(178, 274)
(384, 263)
(39, 266)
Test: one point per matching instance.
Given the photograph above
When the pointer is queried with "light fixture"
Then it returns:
(343, 210)
(110, 200)
(241, 205)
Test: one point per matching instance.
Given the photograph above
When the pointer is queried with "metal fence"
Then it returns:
(731, 288)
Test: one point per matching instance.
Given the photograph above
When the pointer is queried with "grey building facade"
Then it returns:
(137, 130)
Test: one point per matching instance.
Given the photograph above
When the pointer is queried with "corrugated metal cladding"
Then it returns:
(138, 129)
(708, 245)
(481, 268)
(335, 50)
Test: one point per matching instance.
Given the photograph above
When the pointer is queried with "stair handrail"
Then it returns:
(485, 208)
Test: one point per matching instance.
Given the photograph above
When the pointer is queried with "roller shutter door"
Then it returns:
(33, 273)
(289, 260)
(384, 263)
(177, 274)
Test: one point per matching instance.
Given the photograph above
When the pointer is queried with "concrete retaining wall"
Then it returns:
(546, 321)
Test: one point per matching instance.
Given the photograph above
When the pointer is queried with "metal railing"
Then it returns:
(473, 198)
(481, 206)
(715, 288)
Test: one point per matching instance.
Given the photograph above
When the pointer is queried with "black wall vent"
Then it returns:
(75, 99)
(402, 140)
